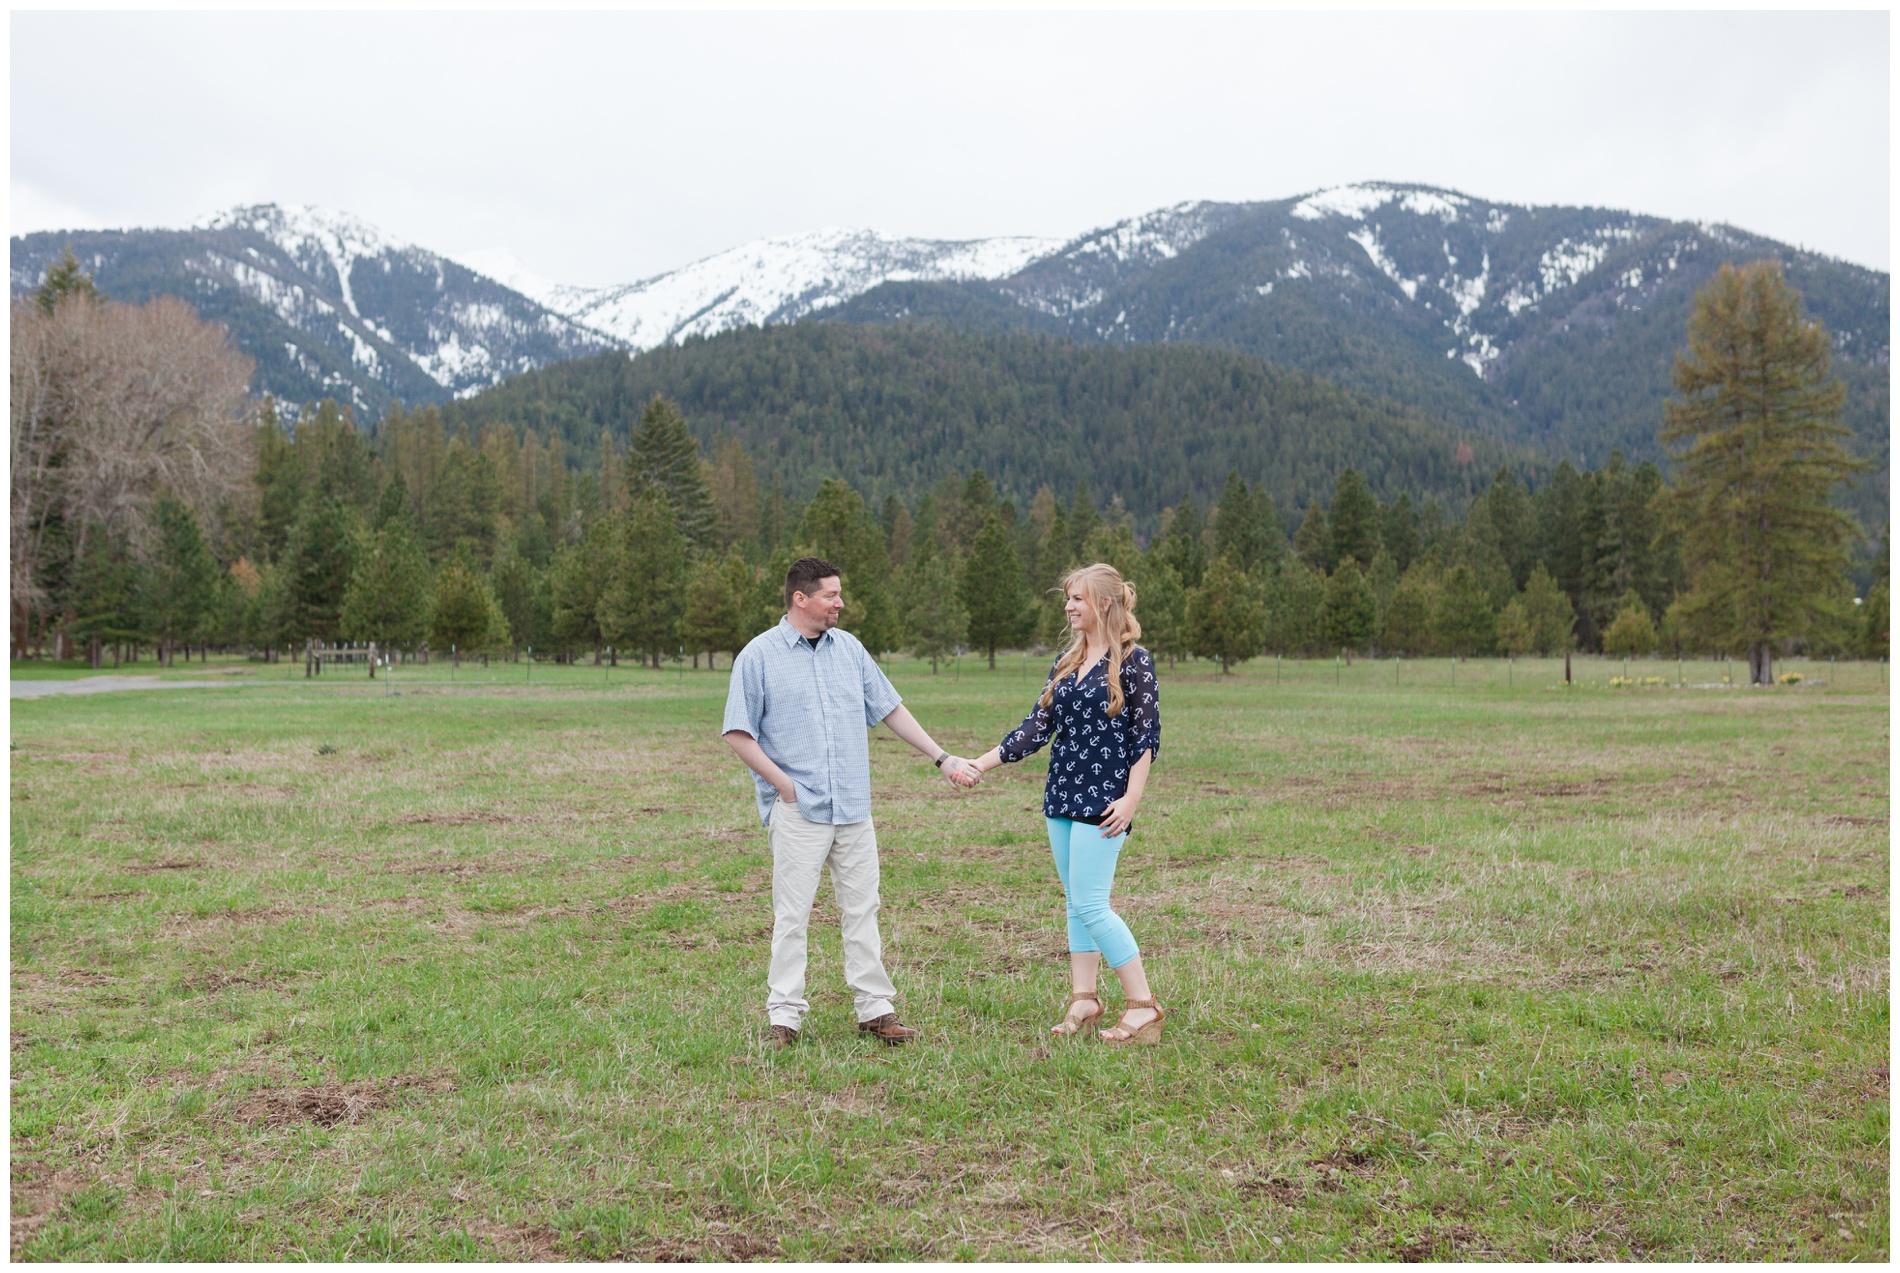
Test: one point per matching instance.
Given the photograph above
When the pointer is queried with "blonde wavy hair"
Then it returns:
(1113, 600)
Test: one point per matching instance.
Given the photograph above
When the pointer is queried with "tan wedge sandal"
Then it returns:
(1148, 1033)
(1070, 1026)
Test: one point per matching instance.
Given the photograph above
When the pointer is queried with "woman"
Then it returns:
(1102, 709)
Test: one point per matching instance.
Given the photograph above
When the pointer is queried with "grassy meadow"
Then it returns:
(1462, 963)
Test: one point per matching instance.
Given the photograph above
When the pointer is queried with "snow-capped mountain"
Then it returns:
(326, 304)
(776, 280)
(1551, 326)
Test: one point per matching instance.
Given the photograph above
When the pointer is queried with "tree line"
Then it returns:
(421, 535)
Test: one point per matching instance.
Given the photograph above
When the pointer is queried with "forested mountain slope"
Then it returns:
(1554, 328)
(895, 408)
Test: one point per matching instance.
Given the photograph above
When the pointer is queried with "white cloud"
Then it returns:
(605, 147)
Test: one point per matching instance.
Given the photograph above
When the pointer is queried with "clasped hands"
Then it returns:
(959, 772)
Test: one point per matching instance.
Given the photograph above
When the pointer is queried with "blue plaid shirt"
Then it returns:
(811, 710)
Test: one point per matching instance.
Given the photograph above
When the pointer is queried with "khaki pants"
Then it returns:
(800, 851)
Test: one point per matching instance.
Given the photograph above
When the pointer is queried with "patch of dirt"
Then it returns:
(37, 1191)
(1446, 1243)
(735, 1247)
(1852, 820)
(532, 1243)
(1341, 1163)
(330, 1104)
(80, 978)
(145, 868)
(1283, 1191)
(461, 819)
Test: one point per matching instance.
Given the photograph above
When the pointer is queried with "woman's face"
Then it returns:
(1081, 613)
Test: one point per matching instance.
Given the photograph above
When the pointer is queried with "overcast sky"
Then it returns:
(602, 148)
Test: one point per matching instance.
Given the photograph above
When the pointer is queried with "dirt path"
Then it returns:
(101, 685)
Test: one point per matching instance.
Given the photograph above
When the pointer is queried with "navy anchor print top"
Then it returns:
(1093, 751)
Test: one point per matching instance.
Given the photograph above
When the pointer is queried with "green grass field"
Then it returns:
(1492, 969)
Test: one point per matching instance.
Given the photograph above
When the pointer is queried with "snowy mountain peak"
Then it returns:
(769, 281)
(1355, 201)
(312, 237)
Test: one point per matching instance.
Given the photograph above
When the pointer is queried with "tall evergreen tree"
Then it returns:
(105, 594)
(1400, 534)
(464, 619)
(837, 527)
(935, 621)
(1295, 608)
(641, 605)
(319, 560)
(1241, 529)
(1355, 521)
(1161, 602)
(1348, 612)
(665, 454)
(1313, 544)
(387, 600)
(1181, 548)
(1227, 614)
(1463, 621)
(993, 594)
(575, 582)
(1551, 619)
(1408, 616)
(718, 614)
(67, 277)
(1509, 509)
(1757, 441)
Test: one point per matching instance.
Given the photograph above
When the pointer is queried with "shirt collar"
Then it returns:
(792, 636)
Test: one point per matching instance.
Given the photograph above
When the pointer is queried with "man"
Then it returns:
(803, 696)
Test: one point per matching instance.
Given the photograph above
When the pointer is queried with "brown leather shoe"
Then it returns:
(889, 1030)
(782, 1036)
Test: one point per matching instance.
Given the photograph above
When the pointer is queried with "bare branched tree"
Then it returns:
(112, 406)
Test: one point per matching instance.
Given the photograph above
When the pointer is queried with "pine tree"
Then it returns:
(1463, 622)
(319, 560)
(993, 595)
(1241, 529)
(387, 600)
(1313, 543)
(1296, 604)
(1114, 545)
(575, 582)
(178, 589)
(1081, 521)
(1355, 521)
(1181, 547)
(1162, 603)
(837, 527)
(1227, 614)
(665, 454)
(1630, 633)
(1756, 437)
(1514, 629)
(1408, 616)
(718, 611)
(464, 619)
(934, 619)
(1348, 611)
(66, 278)
(1551, 619)
(1509, 510)
(105, 594)
(733, 482)
(644, 598)
(1400, 534)
(511, 583)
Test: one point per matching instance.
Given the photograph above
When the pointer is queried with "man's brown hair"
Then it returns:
(804, 576)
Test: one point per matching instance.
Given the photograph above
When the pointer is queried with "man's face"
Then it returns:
(822, 608)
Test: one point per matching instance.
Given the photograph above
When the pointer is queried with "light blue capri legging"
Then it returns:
(1085, 859)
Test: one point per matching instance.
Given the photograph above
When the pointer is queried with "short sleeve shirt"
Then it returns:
(810, 705)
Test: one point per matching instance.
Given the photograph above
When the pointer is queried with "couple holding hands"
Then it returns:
(803, 697)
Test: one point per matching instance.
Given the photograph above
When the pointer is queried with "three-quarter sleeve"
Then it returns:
(1141, 696)
(1035, 731)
